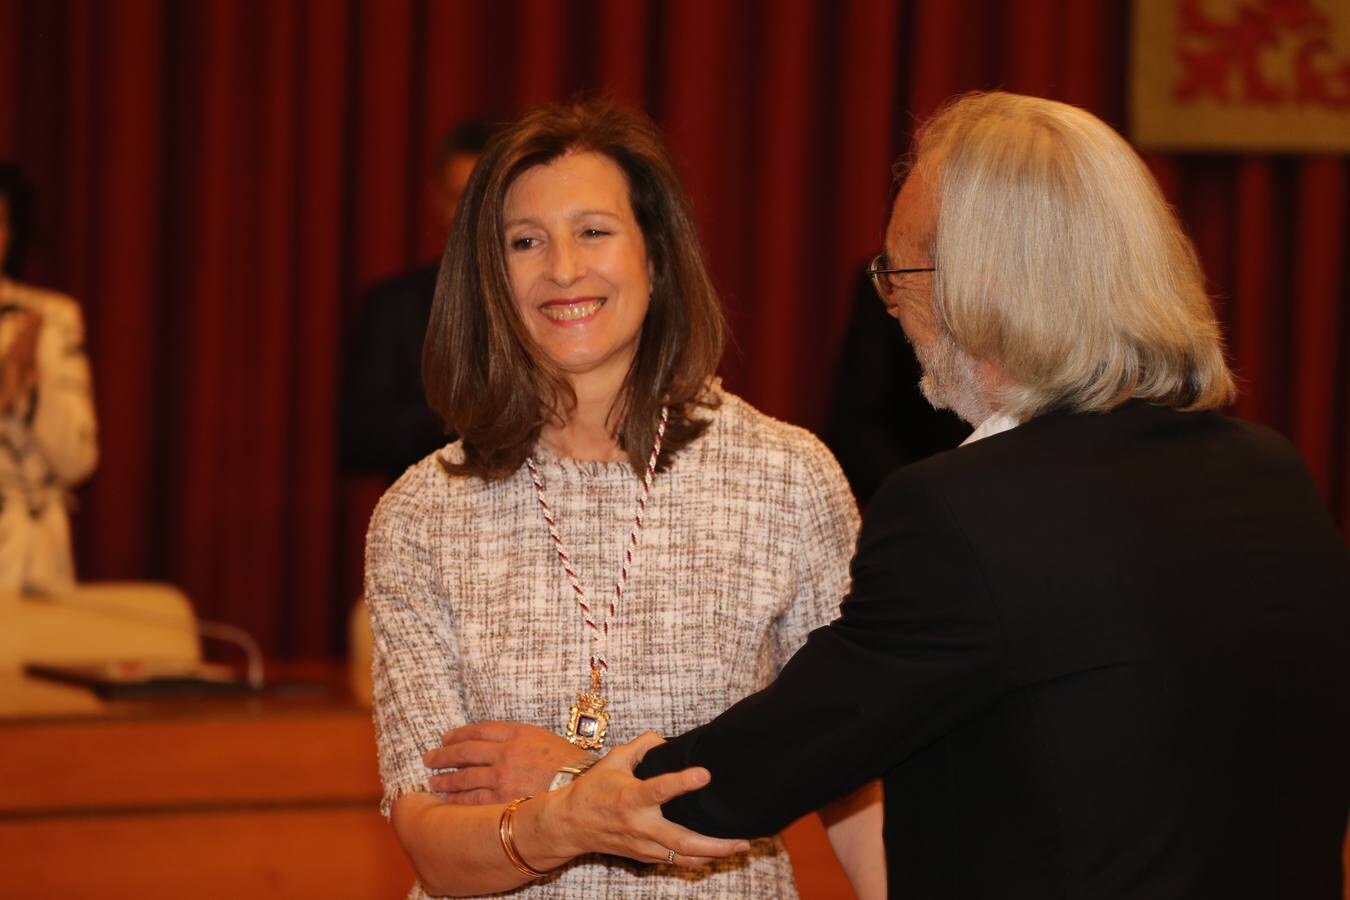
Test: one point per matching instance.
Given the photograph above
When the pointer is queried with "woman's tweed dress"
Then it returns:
(744, 549)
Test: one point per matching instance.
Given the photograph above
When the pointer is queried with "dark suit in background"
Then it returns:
(1099, 655)
(878, 418)
(386, 423)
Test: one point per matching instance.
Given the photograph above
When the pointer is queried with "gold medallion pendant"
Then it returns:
(587, 719)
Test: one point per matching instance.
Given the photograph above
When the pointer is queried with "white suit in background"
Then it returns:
(48, 444)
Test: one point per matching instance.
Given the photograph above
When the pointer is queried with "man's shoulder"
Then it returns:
(1064, 454)
(1049, 444)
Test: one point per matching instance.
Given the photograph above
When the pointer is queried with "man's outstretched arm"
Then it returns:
(915, 649)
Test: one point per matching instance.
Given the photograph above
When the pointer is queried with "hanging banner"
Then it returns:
(1260, 76)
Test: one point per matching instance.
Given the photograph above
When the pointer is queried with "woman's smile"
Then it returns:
(567, 311)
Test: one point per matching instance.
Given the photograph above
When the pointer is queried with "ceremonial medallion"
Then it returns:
(587, 721)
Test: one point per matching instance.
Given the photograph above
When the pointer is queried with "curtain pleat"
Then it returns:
(708, 113)
(1249, 331)
(782, 241)
(453, 87)
(207, 341)
(311, 595)
(1318, 317)
(381, 120)
(125, 255)
(220, 179)
(271, 289)
(546, 51)
(624, 54)
(11, 33)
(863, 118)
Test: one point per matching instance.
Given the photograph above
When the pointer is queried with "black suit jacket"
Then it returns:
(386, 423)
(1095, 656)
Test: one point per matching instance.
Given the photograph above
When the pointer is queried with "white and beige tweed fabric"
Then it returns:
(744, 550)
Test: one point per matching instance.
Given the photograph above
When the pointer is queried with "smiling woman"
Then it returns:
(563, 189)
(614, 546)
(578, 269)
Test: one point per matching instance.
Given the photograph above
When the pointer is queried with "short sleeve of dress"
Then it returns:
(827, 534)
(416, 688)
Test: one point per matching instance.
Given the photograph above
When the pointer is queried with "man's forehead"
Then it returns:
(911, 217)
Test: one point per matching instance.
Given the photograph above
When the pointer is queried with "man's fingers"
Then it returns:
(663, 788)
(630, 754)
(645, 741)
(463, 753)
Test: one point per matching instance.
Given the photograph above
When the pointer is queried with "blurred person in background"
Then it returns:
(878, 419)
(48, 441)
(386, 423)
(615, 545)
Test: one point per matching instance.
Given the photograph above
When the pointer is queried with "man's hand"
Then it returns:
(611, 811)
(498, 761)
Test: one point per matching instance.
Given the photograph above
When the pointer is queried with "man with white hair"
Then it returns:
(1103, 648)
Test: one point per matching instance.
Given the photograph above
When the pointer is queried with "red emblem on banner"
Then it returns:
(1270, 53)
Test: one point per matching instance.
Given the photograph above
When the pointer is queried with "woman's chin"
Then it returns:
(588, 363)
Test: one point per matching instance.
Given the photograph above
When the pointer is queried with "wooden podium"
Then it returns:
(259, 797)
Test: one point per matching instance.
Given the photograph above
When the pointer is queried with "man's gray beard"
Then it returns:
(951, 379)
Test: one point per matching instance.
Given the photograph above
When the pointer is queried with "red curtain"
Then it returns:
(218, 179)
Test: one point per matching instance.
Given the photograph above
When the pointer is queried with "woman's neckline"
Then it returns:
(548, 457)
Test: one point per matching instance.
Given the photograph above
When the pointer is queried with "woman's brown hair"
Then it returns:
(487, 378)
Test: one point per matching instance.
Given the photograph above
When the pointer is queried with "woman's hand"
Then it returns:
(608, 810)
(498, 761)
(18, 366)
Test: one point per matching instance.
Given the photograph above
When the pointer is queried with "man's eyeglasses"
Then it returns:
(880, 273)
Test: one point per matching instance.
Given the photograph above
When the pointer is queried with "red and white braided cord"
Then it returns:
(600, 632)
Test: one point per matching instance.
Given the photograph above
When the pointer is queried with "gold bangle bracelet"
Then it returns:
(504, 831)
